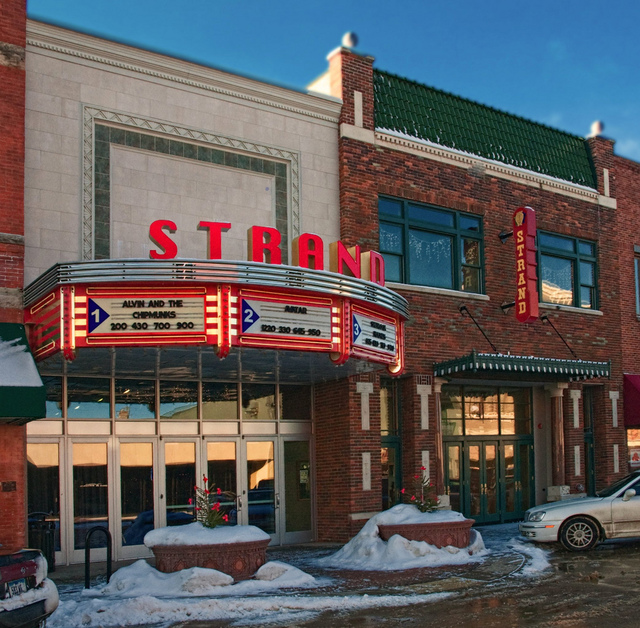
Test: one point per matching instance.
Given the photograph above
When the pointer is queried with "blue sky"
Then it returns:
(564, 63)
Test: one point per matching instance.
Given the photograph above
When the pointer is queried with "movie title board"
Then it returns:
(144, 316)
(372, 333)
(277, 318)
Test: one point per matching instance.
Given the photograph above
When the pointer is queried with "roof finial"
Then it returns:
(597, 128)
(349, 40)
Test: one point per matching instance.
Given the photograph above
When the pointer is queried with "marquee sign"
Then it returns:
(221, 304)
(524, 233)
(138, 316)
(302, 322)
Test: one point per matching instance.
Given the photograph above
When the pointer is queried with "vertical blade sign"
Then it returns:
(524, 234)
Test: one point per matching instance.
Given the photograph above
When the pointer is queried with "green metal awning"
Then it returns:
(498, 364)
(22, 394)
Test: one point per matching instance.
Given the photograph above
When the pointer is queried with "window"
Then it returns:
(485, 411)
(430, 246)
(567, 270)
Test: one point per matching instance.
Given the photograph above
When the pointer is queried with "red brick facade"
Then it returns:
(437, 331)
(13, 15)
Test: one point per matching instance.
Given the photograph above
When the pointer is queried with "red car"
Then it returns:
(27, 596)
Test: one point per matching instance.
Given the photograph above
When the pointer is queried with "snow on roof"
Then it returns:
(17, 367)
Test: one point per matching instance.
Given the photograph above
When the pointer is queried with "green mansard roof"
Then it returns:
(432, 115)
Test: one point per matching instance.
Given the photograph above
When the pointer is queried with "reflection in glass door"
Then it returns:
(482, 473)
(517, 472)
(136, 493)
(222, 476)
(90, 493)
(43, 486)
(180, 479)
(453, 473)
(489, 480)
(261, 496)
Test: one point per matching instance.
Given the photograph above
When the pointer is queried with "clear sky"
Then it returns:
(564, 63)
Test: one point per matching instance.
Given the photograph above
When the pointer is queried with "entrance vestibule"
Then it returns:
(488, 451)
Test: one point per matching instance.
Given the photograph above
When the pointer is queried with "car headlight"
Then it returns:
(537, 516)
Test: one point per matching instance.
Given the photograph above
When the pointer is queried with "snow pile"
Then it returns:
(367, 551)
(539, 557)
(140, 579)
(284, 575)
(196, 534)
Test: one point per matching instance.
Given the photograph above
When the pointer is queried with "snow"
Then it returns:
(196, 534)
(282, 609)
(497, 162)
(368, 552)
(281, 594)
(140, 579)
(17, 367)
(47, 591)
(539, 557)
(139, 594)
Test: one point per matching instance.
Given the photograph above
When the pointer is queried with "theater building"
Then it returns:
(188, 302)
(304, 296)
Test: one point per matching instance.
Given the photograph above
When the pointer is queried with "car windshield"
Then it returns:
(616, 486)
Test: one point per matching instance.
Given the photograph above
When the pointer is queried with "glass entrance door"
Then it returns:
(137, 507)
(517, 479)
(297, 508)
(259, 498)
(179, 469)
(482, 471)
(90, 498)
(489, 480)
(265, 482)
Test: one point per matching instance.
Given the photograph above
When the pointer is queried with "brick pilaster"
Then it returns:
(13, 21)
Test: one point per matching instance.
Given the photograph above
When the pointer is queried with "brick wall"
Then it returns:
(436, 330)
(12, 103)
(13, 475)
(627, 174)
(340, 443)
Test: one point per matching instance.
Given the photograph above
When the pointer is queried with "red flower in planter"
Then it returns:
(210, 503)
(424, 496)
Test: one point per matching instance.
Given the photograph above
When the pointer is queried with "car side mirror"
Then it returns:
(628, 494)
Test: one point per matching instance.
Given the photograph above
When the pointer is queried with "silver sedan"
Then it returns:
(579, 523)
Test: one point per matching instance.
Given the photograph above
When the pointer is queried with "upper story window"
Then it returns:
(428, 246)
(567, 269)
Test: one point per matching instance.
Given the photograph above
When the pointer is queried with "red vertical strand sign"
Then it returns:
(524, 234)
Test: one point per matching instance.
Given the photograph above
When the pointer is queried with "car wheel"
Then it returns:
(579, 534)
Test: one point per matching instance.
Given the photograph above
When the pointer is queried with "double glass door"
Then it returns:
(129, 486)
(489, 480)
(265, 482)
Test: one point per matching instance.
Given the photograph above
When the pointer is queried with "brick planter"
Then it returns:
(438, 533)
(240, 560)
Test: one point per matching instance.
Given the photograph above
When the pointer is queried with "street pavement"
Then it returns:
(598, 589)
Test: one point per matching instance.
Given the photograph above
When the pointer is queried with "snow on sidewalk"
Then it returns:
(141, 595)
